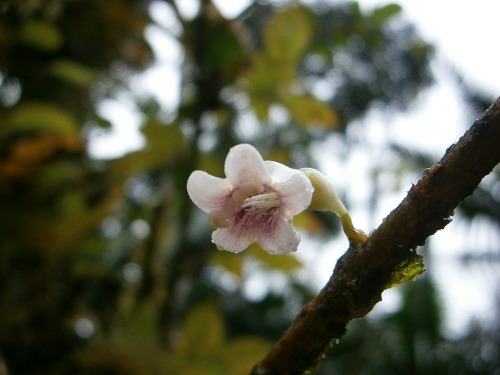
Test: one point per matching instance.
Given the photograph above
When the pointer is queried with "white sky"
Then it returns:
(466, 35)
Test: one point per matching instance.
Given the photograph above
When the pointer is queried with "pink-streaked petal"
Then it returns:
(228, 239)
(255, 219)
(293, 187)
(244, 166)
(284, 239)
(208, 192)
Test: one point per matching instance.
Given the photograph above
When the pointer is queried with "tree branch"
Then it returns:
(365, 271)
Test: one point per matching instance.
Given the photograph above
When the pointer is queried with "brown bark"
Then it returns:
(366, 270)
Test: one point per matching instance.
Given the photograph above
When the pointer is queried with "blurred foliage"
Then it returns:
(409, 341)
(105, 266)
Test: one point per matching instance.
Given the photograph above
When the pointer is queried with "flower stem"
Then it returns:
(354, 235)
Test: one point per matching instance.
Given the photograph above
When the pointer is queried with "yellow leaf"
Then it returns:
(198, 366)
(308, 221)
(284, 262)
(31, 150)
(261, 80)
(73, 72)
(164, 138)
(229, 261)
(164, 142)
(240, 355)
(39, 117)
(260, 106)
(281, 155)
(287, 35)
(203, 330)
(265, 80)
(211, 164)
(139, 326)
(75, 221)
(307, 110)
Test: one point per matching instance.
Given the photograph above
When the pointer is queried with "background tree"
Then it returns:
(105, 266)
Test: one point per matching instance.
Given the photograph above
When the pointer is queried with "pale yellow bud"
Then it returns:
(325, 198)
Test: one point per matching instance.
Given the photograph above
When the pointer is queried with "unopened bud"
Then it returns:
(325, 198)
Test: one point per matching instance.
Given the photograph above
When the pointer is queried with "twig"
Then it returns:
(366, 270)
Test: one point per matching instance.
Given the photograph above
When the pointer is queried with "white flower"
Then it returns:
(254, 203)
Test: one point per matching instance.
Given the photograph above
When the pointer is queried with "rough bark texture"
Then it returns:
(364, 271)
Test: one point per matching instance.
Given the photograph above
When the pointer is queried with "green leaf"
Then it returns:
(287, 35)
(73, 72)
(383, 14)
(203, 330)
(41, 35)
(39, 117)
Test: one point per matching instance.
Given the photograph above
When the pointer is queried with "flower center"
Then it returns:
(238, 203)
(257, 214)
(261, 201)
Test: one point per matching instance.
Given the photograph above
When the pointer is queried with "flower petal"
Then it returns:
(208, 192)
(284, 239)
(279, 172)
(245, 166)
(293, 187)
(230, 240)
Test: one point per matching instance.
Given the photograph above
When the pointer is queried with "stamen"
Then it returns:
(262, 201)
